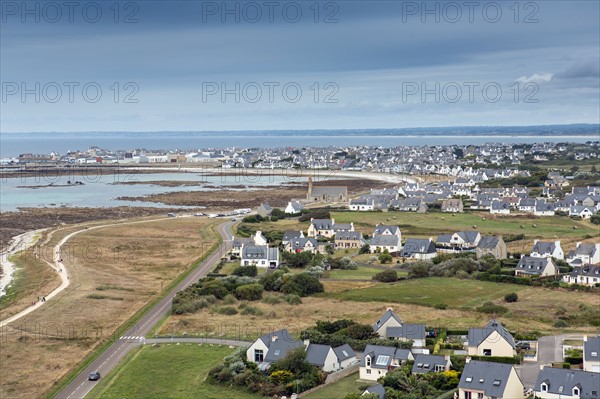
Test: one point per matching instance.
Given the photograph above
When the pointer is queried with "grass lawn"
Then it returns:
(168, 371)
(430, 291)
(340, 389)
(362, 273)
(432, 224)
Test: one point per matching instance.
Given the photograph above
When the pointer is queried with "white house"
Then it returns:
(293, 207)
(492, 340)
(259, 239)
(584, 275)
(391, 327)
(378, 360)
(259, 256)
(559, 383)
(362, 204)
(487, 380)
(535, 266)
(584, 212)
(546, 249)
(416, 248)
(584, 254)
(499, 208)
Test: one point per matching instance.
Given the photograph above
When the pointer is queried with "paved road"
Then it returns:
(549, 351)
(131, 338)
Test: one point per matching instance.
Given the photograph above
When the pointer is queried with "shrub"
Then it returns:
(302, 284)
(512, 297)
(281, 377)
(560, 324)
(226, 310)
(271, 300)
(365, 249)
(251, 310)
(229, 299)
(386, 276)
(249, 292)
(491, 307)
(384, 257)
(440, 306)
(316, 271)
(360, 331)
(252, 219)
(249, 271)
(293, 299)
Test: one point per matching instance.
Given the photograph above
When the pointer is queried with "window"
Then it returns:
(496, 383)
(258, 355)
(420, 365)
(480, 395)
(277, 352)
(368, 371)
(382, 360)
(544, 387)
(345, 353)
(439, 367)
(481, 380)
(368, 361)
(561, 388)
(487, 352)
(594, 354)
(575, 391)
(469, 379)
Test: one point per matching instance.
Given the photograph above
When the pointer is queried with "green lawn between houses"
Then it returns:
(340, 389)
(362, 273)
(168, 371)
(430, 291)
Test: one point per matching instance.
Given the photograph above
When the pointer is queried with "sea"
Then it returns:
(13, 144)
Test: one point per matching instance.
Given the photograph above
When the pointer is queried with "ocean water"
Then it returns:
(11, 145)
(101, 191)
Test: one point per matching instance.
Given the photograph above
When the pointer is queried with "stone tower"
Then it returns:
(309, 193)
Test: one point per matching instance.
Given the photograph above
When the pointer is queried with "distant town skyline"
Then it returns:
(219, 66)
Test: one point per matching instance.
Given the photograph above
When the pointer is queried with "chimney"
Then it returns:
(522, 256)
(302, 234)
(467, 359)
(535, 242)
(391, 309)
(274, 338)
(577, 244)
(306, 343)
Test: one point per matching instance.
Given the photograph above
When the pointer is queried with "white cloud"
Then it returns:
(536, 78)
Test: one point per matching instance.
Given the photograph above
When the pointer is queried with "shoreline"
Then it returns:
(18, 243)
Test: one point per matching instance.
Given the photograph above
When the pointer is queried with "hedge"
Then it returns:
(498, 359)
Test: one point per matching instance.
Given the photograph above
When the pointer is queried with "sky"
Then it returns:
(269, 65)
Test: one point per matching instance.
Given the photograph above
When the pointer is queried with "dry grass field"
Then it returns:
(114, 271)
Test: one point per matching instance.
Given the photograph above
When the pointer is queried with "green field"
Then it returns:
(362, 273)
(340, 389)
(430, 291)
(432, 224)
(168, 371)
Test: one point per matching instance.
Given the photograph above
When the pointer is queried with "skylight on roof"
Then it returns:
(345, 353)
(469, 379)
(594, 354)
(382, 360)
(497, 383)
(481, 380)
(277, 352)
(561, 388)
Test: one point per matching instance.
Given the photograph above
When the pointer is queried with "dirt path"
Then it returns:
(58, 264)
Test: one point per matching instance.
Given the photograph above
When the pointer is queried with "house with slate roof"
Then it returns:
(584, 275)
(492, 340)
(289, 234)
(431, 364)
(274, 346)
(349, 239)
(416, 248)
(321, 227)
(391, 327)
(546, 249)
(584, 254)
(302, 244)
(378, 360)
(389, 319)
(260, 256)
(591, 353)
(293, 207)
(530, 266)
(462, 240)
(492, 245)
(379, 243)
(567, 384)
(387, 230)
(499, 207)
(377, 390)
(453, 205)
(488, 380)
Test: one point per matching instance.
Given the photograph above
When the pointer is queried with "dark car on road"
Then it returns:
(94, 376)
(523, 345)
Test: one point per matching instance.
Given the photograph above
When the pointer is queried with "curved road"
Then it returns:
(131, 338)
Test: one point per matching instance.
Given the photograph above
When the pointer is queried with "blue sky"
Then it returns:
(354, 64)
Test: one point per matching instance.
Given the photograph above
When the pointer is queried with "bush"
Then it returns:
(440, 306)
(281, 377)
(250, 271)
(226, 310)
(252, 219)
(293, 299)
(365, 249)
(251, 310)
(271, 300)
(249, 292)
(384, 257)
(386, 276)
(560, 324)
(490, 307)
(302, 284)
(512, 297)
(229, 299)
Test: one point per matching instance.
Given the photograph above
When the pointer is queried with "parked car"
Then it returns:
(94, 376)
(523, 345)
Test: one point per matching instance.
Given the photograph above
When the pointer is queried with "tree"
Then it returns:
(419, 270)
(365, 249)
(249, 292)
(595, 219)
(385, 257)
(361, 331)
(294, 362)
(297, 260)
